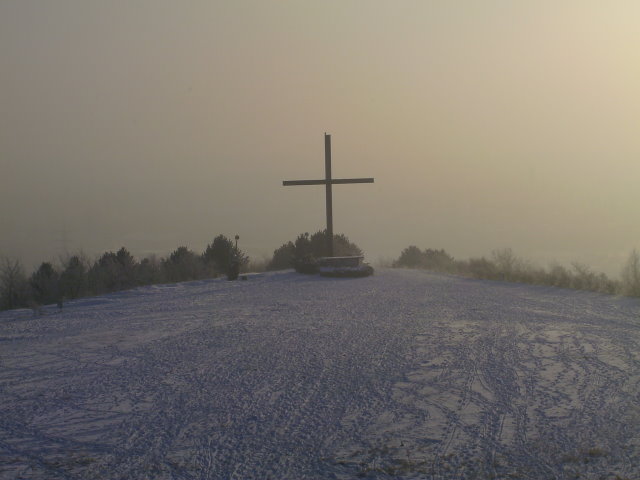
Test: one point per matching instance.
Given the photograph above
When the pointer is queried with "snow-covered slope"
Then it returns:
(401, 375)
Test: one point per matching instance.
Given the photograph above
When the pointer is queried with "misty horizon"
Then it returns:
(486, 126)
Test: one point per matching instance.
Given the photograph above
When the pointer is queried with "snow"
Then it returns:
(404, 374)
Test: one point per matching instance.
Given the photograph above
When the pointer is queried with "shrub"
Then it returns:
(505, 265)
(558, 276)
(631, 275)
(482, 268)
(309, 247)
(429, 259)
(410, 257)
(342, 246)
(583, 278)
(438, 260)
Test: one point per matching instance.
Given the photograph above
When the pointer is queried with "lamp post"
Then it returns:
(234, 266)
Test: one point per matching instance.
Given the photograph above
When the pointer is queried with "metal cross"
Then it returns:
(328, 182)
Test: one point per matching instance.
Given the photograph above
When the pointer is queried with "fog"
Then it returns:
(154, 124)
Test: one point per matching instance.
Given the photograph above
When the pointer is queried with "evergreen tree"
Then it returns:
(44, 284)
(182, 265)
(283, 257)
(221, 253)
(113, 272)
(127, 268)
(103, 274)
(149, 271)
(73, 280)
(303, 247)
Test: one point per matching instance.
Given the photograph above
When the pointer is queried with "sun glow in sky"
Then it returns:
(155, 124)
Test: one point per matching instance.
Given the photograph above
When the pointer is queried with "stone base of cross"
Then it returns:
(328, 182)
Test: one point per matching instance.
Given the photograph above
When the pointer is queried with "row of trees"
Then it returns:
(504, 265)
(77, 276)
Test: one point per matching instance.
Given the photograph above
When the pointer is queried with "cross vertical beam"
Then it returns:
(328, 182)
(329, 194)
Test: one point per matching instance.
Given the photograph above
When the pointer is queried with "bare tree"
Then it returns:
(14, 289)
(631, 275)
(506, 262)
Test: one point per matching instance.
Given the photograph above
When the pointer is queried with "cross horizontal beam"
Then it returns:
(332, 181)
(328, 182)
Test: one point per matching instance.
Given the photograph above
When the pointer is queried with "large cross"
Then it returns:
(328, 182)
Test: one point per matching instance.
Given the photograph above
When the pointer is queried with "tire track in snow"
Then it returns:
(400, 375)
(508, 393)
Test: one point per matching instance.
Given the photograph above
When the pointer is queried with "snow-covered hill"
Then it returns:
(401, 375)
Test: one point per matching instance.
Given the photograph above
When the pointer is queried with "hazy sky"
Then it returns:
(486, 124)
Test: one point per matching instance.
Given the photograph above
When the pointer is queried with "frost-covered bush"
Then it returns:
(504, 265)
(481, 268)
(342, 246)
(309, 247)
(558, 276)
(631, 275)
(410, 257)
(429, 259)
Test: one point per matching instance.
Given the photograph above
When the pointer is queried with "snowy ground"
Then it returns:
(401, 375)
